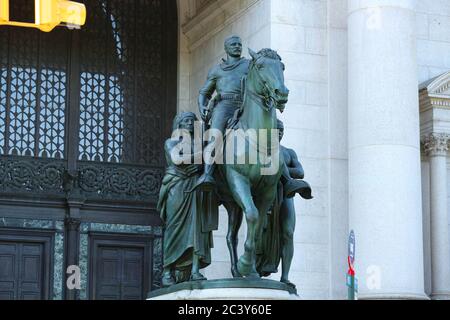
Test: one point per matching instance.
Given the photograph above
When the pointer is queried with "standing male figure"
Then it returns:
(287, 210)
(226, 80)
(277, 241)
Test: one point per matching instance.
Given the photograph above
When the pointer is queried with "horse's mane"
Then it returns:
(269, 53)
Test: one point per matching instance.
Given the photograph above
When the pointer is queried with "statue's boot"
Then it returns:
(197, 277)
(168, 280)
(293, 186)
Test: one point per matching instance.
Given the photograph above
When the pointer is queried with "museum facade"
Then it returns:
(84, 115)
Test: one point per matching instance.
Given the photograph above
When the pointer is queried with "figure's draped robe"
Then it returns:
(189, 217)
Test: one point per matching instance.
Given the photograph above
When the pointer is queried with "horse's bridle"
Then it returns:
(268, 98)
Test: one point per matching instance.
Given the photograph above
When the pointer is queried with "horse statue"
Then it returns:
(243, 188)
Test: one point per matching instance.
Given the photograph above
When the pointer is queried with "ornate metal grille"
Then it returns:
(121, 75)
(33, 71)
(94, 101)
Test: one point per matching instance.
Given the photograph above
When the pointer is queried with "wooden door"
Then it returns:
(24, 268)
(119, 273)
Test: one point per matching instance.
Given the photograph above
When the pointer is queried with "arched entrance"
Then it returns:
(83, 116)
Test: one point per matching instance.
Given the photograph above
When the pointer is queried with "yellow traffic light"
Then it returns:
(4, 11)
(49, 14)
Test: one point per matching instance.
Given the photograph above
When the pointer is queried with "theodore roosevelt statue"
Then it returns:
(226, 80)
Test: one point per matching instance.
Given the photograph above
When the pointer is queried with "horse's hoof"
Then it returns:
(236, 273)
(244, 268)
(253, 275)
(197, 277)
(247, 269)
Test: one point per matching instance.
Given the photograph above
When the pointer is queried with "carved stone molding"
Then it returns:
(213, 16)
(436, 144)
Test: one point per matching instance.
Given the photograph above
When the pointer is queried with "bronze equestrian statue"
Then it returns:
(248, 92)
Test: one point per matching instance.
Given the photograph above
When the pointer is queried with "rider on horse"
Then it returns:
(224, 79)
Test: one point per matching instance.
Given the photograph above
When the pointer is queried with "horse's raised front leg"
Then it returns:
(240, 188)
(234, 224)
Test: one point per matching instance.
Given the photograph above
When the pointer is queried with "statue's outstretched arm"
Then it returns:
(295, 167)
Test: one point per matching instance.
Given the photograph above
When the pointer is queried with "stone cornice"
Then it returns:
(428, 102)
(212, 18)
(435, 144)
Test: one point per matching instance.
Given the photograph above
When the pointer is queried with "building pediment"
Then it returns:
(438, 86)
(435, 93)
(435, 105)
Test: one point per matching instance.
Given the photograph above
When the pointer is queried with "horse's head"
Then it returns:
(268, 69)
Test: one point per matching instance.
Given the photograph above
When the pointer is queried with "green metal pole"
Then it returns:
(351, 287)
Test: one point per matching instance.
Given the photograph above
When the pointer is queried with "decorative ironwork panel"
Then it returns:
(3, 84)
(150, 82)
(92, 108)
(93, 93)
(23, 46)
(122, 85)
(53, 59)
(37, 176)
(33, 94)
(119, 182)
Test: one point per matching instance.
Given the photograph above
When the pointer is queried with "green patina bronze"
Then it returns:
(188, 217)
(248, 94)
(224, 79)
(264, 92)
(277, 241)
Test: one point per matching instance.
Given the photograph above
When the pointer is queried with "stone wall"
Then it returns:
(433, 33)
(338, 153)
(299, 34)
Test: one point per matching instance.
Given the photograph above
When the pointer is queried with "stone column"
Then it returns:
(385, 206)
(72, 252)
(436, 147)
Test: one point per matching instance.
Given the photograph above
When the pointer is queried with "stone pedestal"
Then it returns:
(226, 289)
